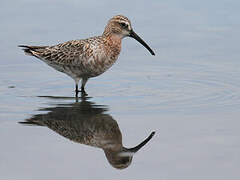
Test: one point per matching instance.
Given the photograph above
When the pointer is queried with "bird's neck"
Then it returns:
(113, 45)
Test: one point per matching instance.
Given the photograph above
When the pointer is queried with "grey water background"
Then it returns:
(189, 93)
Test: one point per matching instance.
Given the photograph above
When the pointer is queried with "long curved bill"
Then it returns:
(135, 36)
(136, 148)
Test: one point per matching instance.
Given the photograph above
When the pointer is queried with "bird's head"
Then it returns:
(121, 26)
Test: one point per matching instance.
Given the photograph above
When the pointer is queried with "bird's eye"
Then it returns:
(124, 25)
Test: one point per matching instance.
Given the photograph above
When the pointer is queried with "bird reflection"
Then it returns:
(87, 123)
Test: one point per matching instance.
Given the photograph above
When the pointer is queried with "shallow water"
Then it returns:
(189, 93)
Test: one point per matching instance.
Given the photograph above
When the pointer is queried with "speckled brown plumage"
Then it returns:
(86, 58)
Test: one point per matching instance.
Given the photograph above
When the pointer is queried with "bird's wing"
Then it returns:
(68, 53)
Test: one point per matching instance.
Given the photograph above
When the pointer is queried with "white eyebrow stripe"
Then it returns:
(126, 22)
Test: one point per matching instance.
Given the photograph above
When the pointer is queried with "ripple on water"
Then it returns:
(182, 87)
(208, 88)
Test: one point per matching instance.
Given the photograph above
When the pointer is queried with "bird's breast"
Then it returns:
(102, 58)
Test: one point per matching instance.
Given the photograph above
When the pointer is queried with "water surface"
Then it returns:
(189, 93)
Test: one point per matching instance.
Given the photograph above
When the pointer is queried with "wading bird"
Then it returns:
(87, 58)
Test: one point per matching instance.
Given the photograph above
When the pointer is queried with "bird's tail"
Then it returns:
(31, 122)
(33, 50)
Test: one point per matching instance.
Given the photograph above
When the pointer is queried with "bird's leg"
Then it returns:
(76, 90)
(76, 87)
(84, 81)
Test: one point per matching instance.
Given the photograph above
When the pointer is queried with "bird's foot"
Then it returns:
(82, 91)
